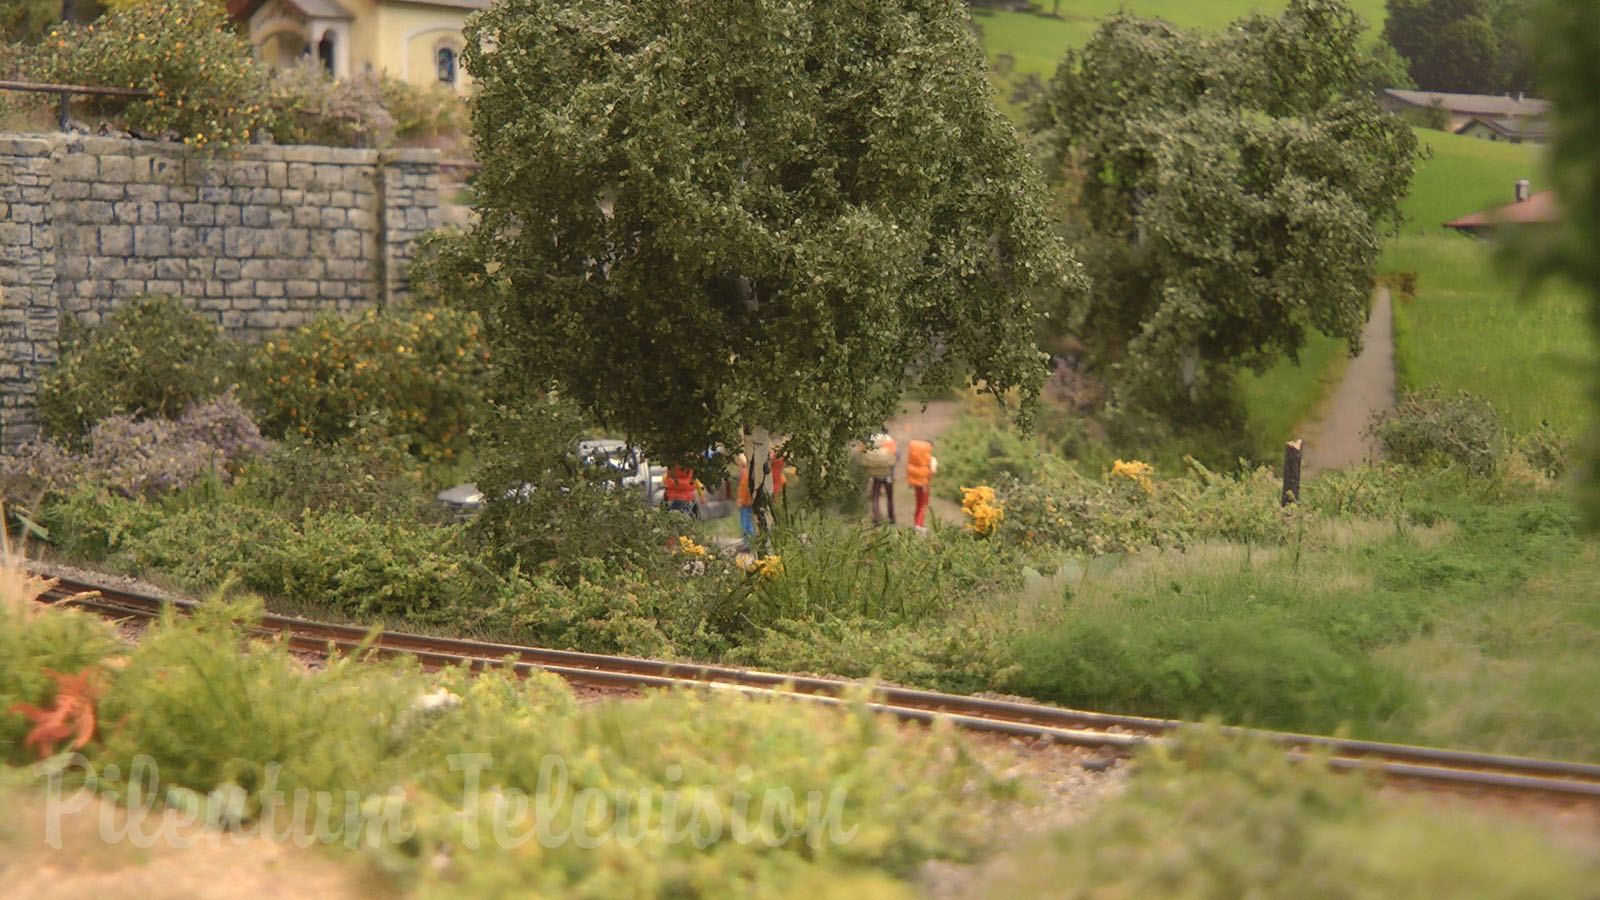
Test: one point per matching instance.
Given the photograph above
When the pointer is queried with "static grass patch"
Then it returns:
(1468, 329)
(1464, 175)
(1278, 402)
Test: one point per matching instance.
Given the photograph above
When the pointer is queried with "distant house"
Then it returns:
(415, 40)
(1496, 117)
(1527, 209)
(1510, 129)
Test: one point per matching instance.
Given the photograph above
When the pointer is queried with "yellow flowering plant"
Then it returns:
(983, 511)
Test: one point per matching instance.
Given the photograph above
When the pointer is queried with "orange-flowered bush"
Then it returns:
(205, 86)
(418, 375)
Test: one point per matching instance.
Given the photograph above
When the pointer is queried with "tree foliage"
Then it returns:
(1472, 46)
(1231, 188)
(1569, 59)
(699, 216)
(27, 20)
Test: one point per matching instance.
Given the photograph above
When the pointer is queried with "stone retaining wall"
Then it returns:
(260, 240)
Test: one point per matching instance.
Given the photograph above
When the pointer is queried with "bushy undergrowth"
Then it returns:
(311, 107)
(151, 357)
(422, 369)
(545, 510)
(1132, 507)
(1429, 427)
(1214, 817)
(211, 716)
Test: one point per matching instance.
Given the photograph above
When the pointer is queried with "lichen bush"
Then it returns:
(137, 458)
(547, 511)
(421, 369)
(311, 107)
(205, 86)
(424, 112)
(151, 357)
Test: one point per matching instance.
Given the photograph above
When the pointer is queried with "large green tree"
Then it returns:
(1569, 62)
(698, 216)
(1230, 190)
(1472, 46)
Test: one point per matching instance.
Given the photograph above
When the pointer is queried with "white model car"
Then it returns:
(637, 474)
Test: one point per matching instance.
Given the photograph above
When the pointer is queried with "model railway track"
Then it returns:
(1116, 734)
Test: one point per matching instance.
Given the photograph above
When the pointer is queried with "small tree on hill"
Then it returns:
(699, 216)
(1230, 190)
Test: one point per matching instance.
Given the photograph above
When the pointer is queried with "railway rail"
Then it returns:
(1426, 767)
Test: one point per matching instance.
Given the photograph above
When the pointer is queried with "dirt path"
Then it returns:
(930, 424)
(1336, 439)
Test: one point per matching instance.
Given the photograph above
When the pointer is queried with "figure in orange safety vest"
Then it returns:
(921, 465)
(682, 490)
(878, 459)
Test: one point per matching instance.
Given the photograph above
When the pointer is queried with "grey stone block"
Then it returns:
(199, 214)
(116, 240)
(152, 240)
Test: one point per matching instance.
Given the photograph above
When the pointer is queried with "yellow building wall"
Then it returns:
(408, 37)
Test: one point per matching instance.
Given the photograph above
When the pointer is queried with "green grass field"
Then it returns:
(1463, 175)
(1278, 401)
(1468, 329)
(1037, 42)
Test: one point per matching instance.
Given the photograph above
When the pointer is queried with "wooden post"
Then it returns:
(1291, 471)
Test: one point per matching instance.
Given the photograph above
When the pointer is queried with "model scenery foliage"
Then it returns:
(1231, 189)
(697, 218)
(1466, 46)
(1570, 56)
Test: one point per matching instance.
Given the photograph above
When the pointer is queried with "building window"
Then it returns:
(445, 58)
(325, 52)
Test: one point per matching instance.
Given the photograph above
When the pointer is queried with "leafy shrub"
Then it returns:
(311, 107)
(950, 656)
(421, 368)
(334, 559)
(141, 458)
(151, 357)
(1545, 449)
(832, 570)
(424, 112)
(1128, 509)
(376, 480)
(545, 510)
(1430, 427)
(205, 84)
